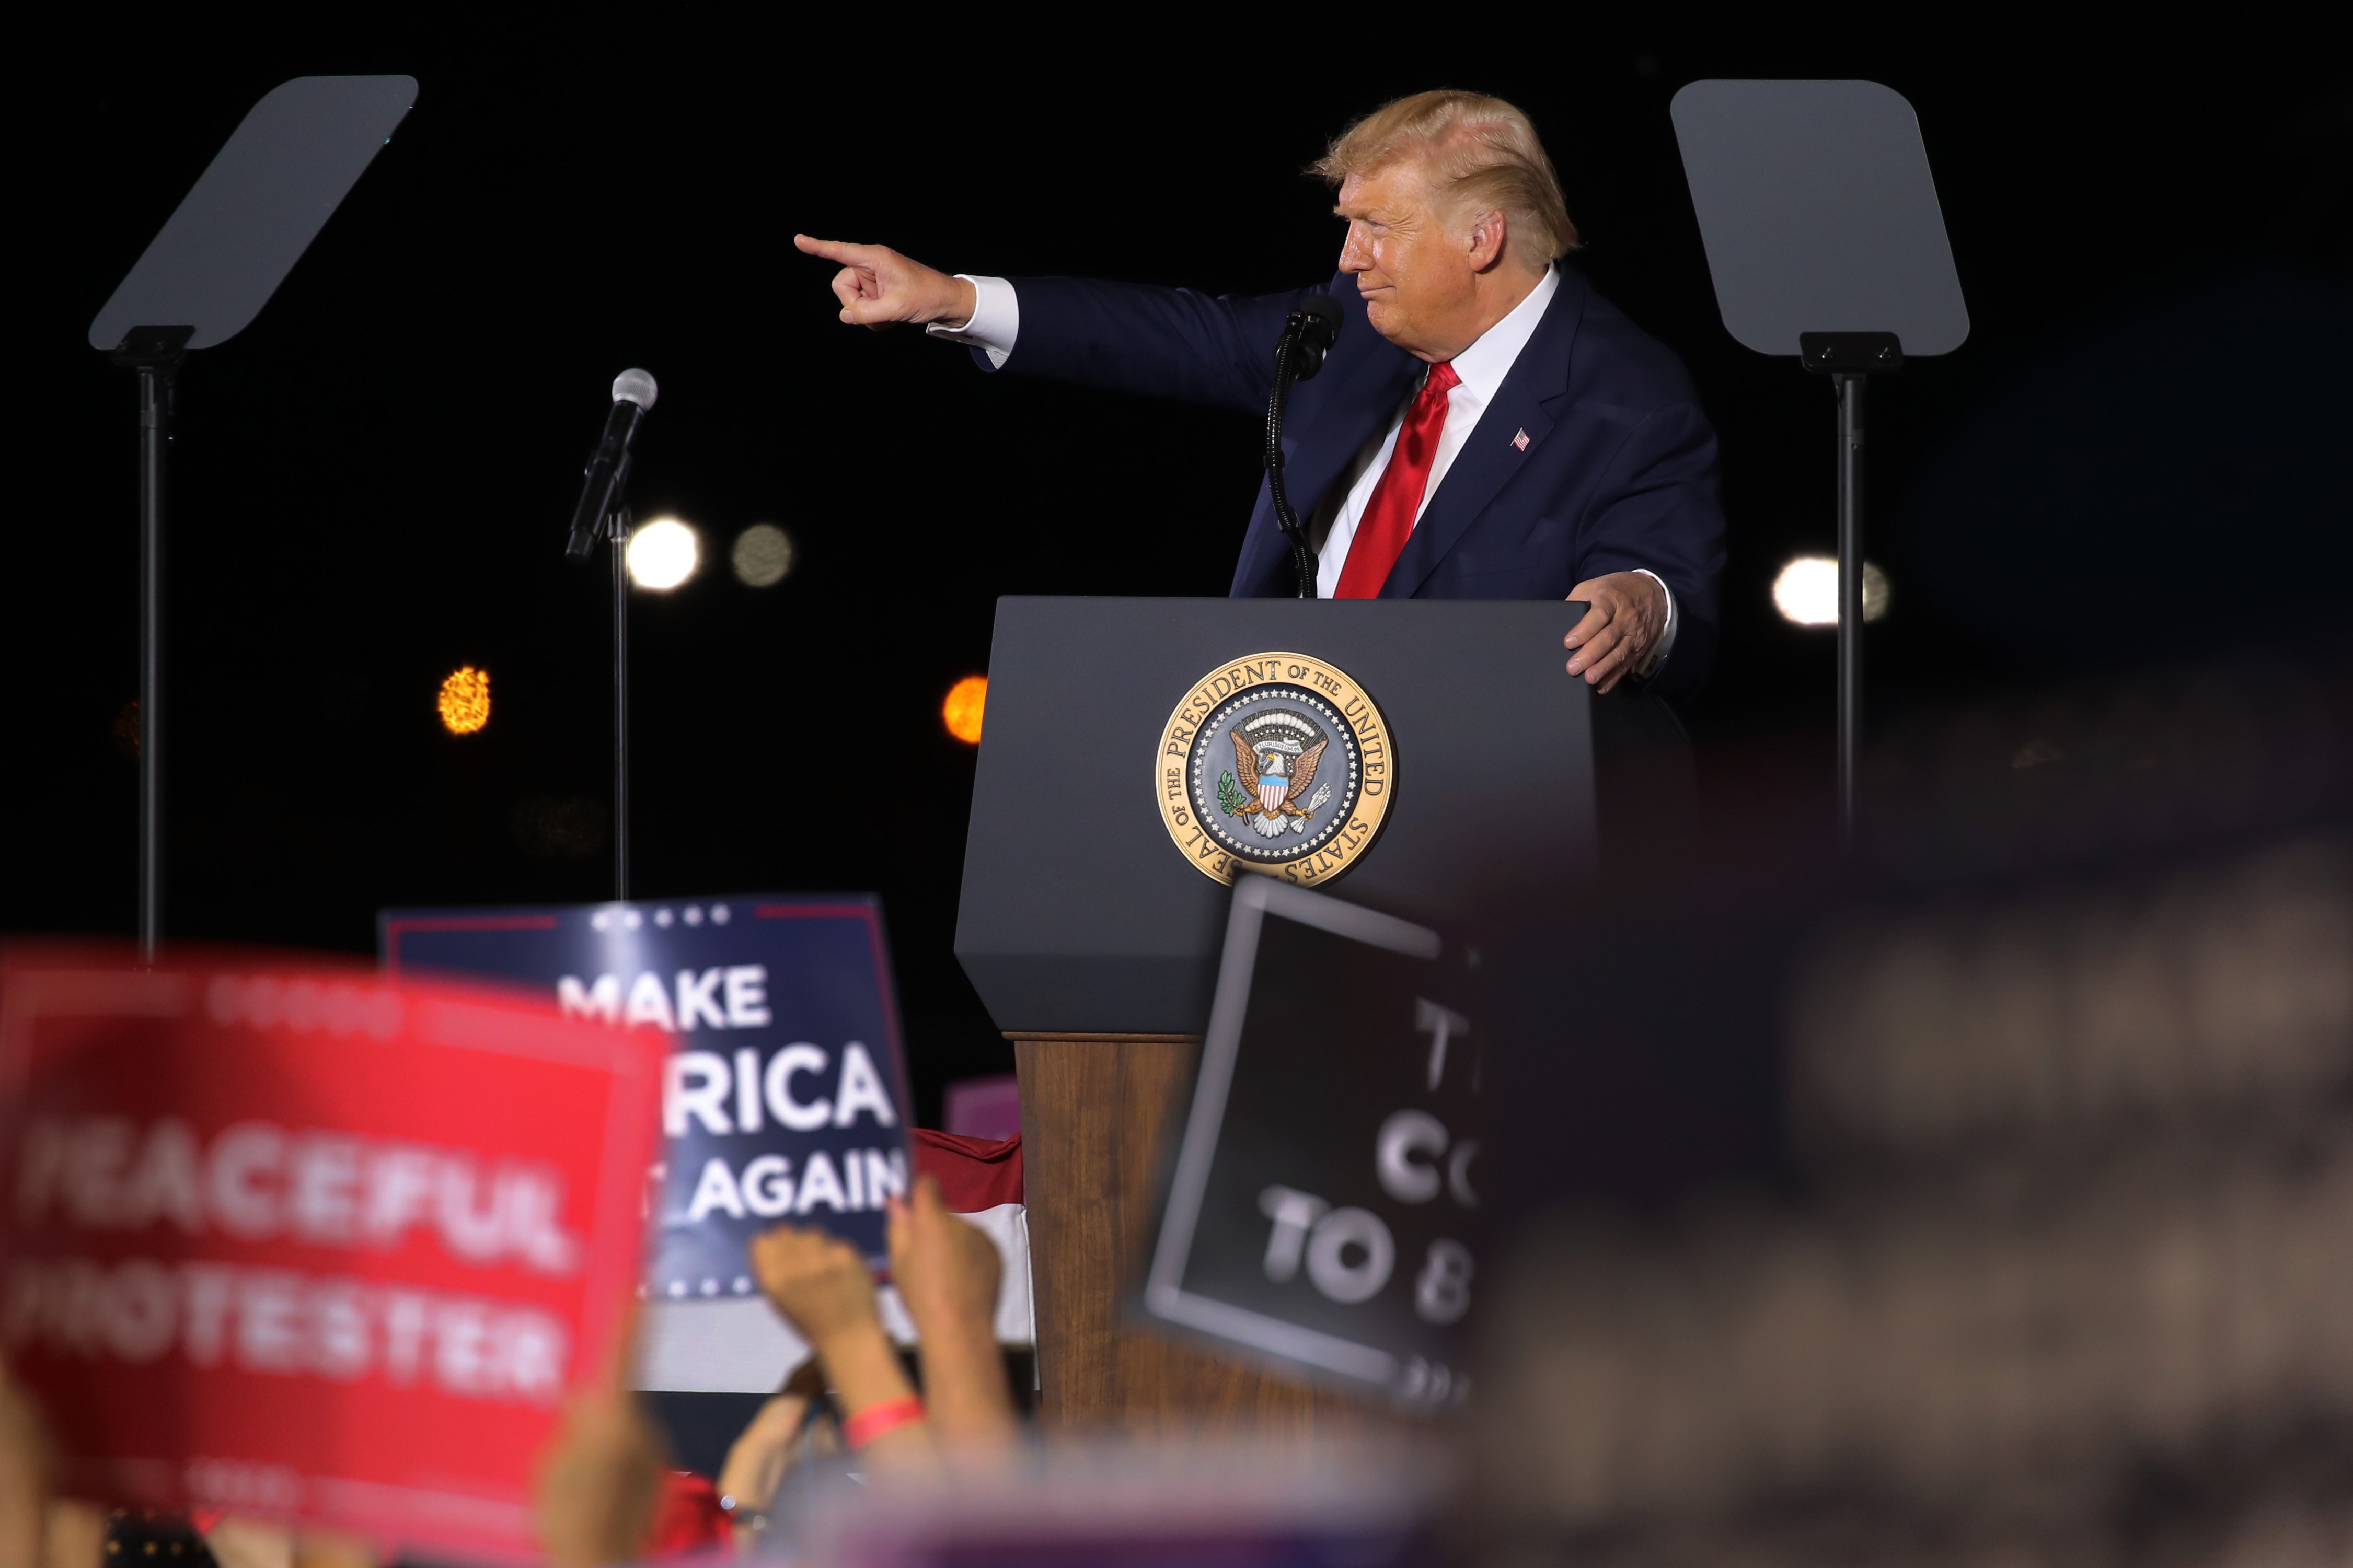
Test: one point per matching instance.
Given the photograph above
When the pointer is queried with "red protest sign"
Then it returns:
(298, 1241)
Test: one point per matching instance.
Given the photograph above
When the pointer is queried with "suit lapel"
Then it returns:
(1334, 431)
(1488, 460)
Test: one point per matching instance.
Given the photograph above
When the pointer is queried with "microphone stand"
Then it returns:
(1286, 371)
(617, 527)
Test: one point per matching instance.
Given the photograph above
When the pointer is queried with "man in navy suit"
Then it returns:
(1486, 428)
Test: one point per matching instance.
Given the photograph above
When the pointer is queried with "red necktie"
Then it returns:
(1388, 521)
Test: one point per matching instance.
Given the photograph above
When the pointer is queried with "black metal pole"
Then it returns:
(621, 704)
(1850, 595)
(155, 434)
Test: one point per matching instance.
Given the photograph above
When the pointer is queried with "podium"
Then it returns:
(1111, 771)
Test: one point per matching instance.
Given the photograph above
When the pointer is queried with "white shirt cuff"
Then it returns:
(1666, 637)
(996, 321)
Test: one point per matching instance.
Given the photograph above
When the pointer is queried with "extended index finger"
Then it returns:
(840, 250)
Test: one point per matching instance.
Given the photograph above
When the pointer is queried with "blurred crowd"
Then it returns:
(2040, 1250)
(2049, 1258)
(849, 1418)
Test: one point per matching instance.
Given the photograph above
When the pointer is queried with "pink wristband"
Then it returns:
(877, 1420)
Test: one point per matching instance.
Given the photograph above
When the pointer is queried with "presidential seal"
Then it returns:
(1276, 762)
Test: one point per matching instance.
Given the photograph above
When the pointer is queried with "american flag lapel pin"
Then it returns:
(1521, 440)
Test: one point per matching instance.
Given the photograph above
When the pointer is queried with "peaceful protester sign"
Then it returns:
(280, 1236)
(786, 1094)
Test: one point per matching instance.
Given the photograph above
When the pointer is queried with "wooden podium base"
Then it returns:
(1096, 1113)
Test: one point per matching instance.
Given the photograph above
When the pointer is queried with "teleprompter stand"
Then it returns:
(208, 272)
(1850, 359)
(1825, 241)
(155, 353)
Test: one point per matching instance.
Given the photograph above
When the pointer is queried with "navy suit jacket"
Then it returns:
(1618, 471)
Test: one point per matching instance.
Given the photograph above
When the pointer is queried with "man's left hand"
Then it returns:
(1614, 640)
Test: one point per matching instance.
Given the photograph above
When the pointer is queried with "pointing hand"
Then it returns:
(878, 288)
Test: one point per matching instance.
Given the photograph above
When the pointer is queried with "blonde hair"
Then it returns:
(1480, 153)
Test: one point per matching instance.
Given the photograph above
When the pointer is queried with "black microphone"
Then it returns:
(1307, 336)
(1318, 323)
(633, 393)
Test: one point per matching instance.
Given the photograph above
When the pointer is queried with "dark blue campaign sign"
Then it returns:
(787, 1094)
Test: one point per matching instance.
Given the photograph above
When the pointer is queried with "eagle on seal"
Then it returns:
(1276, 790)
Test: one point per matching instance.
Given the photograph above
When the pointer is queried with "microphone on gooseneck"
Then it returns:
(633, 393)
(1307, 336)
(1319, 328)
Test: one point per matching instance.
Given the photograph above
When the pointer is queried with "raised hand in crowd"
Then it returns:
(34, 1527)
(62, 1533)
(76, 1536)
(600, 1483)
(250, 1543)
(237, 1543)
(820, 1284)
(24, 1478)
(946, 1271)
(778, 1437)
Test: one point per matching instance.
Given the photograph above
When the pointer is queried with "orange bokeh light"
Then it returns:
(466, 701)
(961, 712)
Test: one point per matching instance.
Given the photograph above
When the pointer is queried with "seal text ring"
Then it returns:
(1275, 762)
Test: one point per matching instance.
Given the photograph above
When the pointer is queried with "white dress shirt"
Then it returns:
(996, 322)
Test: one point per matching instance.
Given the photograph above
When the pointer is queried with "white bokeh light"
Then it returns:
(762, 556)
(662, 553)
(1806, 592)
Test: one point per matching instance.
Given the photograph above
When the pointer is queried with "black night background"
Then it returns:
(2140, 452)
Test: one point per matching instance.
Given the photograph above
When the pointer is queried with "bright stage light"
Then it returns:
(762, 554)
(465, 701)
(961, 713)
(1806, 592)
(662, 553)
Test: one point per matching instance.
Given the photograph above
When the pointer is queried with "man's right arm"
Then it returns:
(1164, 342)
